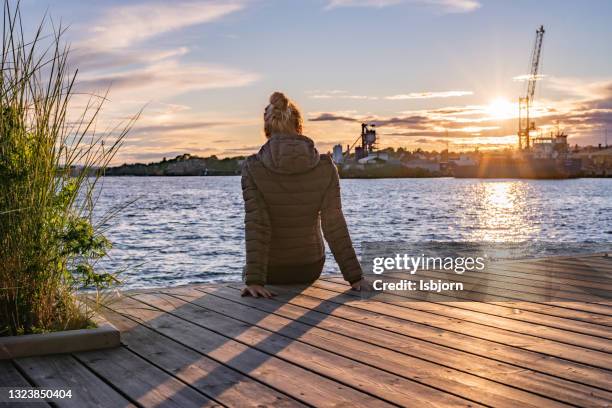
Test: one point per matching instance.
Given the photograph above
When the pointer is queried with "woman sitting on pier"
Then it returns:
(291, 193)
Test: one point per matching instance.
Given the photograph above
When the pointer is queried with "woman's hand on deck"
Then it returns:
(357, 285)
(257, 291)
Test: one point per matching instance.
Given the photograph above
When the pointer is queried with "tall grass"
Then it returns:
(49, 167)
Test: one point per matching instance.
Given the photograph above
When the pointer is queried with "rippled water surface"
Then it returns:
(190, 229)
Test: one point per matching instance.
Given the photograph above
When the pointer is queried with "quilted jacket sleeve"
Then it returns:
(336, 232)
(257, 231)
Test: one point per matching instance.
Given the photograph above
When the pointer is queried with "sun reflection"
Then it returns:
(499, 195)
(501, 213)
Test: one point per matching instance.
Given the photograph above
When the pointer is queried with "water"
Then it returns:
(190, 229)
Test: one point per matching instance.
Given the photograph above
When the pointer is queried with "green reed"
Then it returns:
(49, 168)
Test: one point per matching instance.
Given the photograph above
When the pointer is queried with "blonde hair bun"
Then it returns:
(282, 116)
(279, 100)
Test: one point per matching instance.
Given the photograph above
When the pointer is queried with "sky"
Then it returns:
(428, 73)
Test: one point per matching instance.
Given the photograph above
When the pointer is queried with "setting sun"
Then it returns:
(501, 108)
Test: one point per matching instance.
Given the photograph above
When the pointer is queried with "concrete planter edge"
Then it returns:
(70, 341)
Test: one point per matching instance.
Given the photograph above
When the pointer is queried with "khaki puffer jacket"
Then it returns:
(290, 194)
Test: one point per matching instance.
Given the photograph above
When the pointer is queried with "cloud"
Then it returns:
(445, 6)
(332, 92)
(453, 6)
(527, 77)
(327, 117)
(329, 96)
(361, 3)
(177, 124)
(242, 150)
(413, 121)
(428, 95)
(123, 26)
(90, 60)
(579, 87)
(166, 78)
(173, 127)
(338, 94)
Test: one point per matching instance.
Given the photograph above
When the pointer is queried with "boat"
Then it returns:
(547, 158)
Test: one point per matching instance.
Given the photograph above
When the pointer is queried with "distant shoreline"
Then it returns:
(188, 165)
(184, 165)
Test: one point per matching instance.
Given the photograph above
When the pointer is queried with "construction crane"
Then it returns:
(525, 125)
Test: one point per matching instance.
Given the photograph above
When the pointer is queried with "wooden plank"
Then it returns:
(227, 386)
(11, 378)
(587, 267)
(533, 293)
(580, 265)
(592, 313)
(528, 380)
(379, 383)
(563, 287)
(288, 378)
(141, 381)
(375, 314)
(549, 258)
(601, 260)
(604, 261)
(593, 274)
(446, 319)
(526, 322)
(527, 272)
(444, 378)
(63, 371)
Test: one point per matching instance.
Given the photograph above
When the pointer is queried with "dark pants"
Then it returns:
(288, 274)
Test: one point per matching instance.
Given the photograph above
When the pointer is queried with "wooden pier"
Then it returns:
(324, 346)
